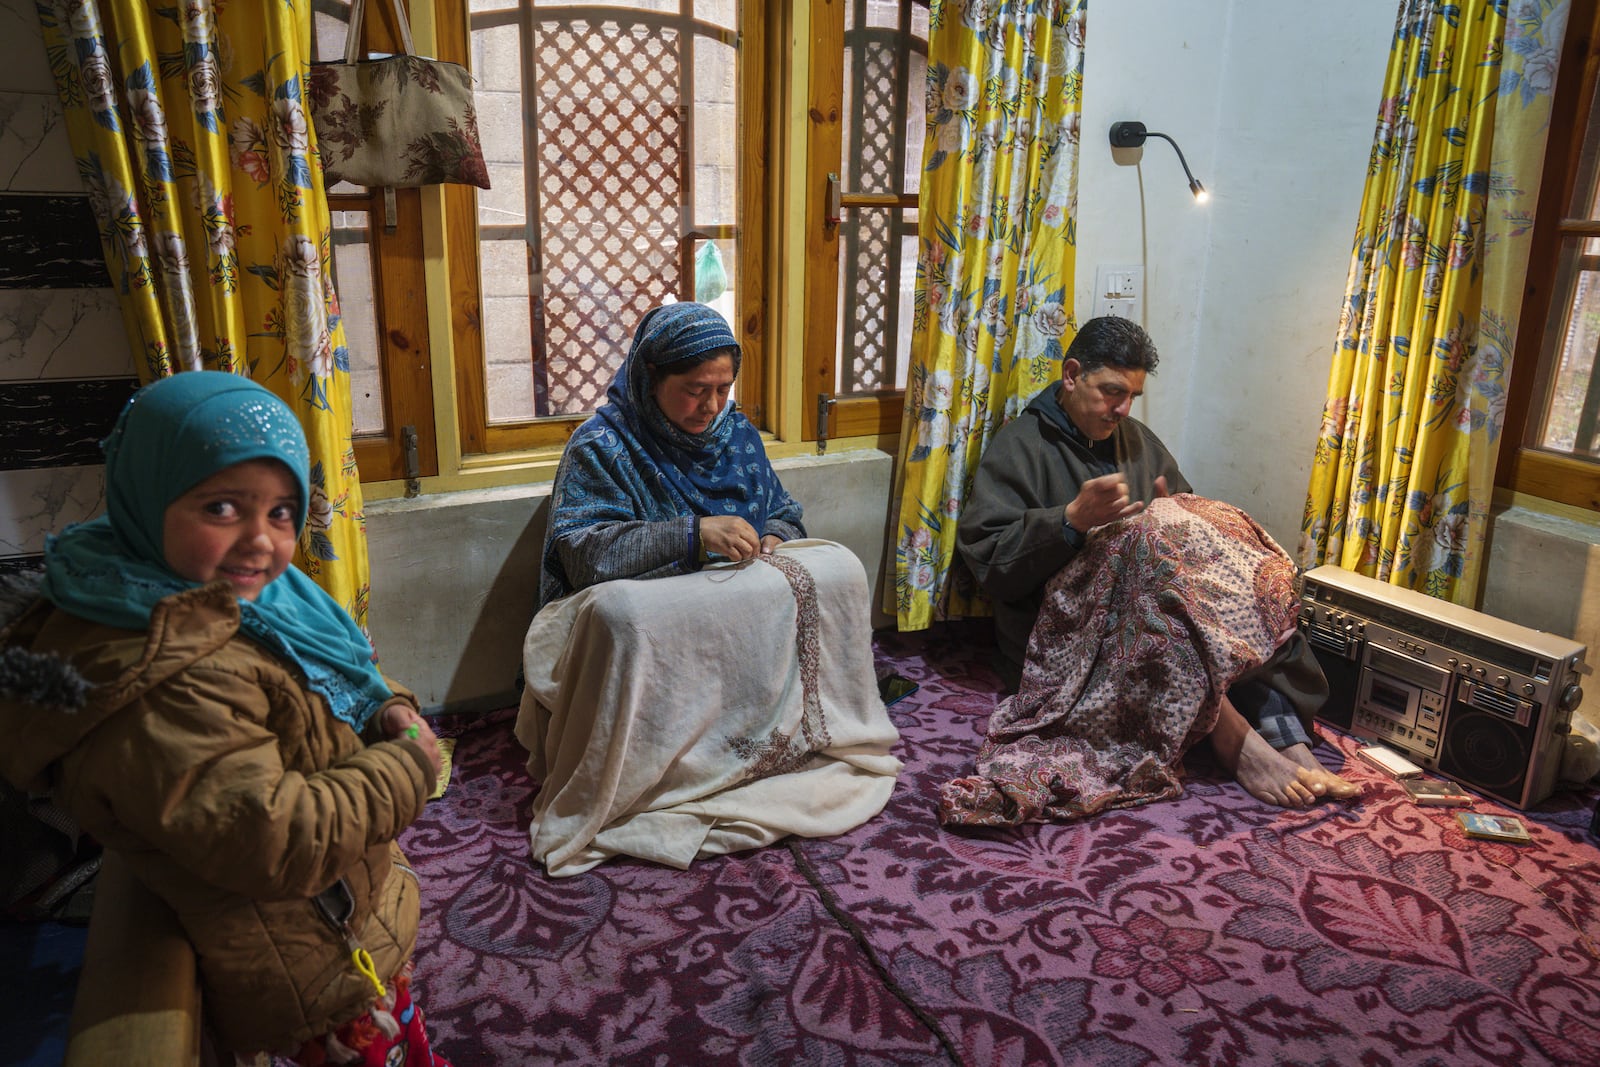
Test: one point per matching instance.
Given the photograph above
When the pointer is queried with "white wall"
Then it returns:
(1274, 105)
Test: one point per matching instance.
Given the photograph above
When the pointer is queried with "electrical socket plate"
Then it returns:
(1119, 290)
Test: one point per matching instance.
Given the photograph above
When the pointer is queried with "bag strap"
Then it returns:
(352, 37)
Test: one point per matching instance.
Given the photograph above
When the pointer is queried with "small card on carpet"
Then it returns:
(447, 748)
(1493, 827)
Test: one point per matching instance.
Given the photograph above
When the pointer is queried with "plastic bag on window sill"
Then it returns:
(710, 276)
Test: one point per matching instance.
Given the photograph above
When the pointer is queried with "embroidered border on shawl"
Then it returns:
(779, 753)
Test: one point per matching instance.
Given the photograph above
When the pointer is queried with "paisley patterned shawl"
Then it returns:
(1138, 639)
(629, 463)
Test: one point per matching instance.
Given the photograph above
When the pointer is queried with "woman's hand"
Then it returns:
(729, 536)
(769, 544)
(396, 720)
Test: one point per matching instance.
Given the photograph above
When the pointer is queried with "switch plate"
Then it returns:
(1119, 290)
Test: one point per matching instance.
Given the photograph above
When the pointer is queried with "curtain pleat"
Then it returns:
(996, 244)
(1403, 474)
(191, 136)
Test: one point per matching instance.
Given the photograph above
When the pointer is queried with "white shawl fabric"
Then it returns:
(690, 716)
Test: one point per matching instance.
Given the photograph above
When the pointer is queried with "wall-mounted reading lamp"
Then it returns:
(1133, 134)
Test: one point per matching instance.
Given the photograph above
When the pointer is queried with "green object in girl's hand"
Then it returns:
(414, 731)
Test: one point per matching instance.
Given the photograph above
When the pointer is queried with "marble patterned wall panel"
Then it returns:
(37, 502)
(59, 423)
(35, 152)
(62, 333)
(22, 59)
(50, 242)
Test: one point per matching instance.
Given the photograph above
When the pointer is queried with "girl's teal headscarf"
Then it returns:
(174, 434)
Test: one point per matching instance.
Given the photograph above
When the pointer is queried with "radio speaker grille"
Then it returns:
(1487, 752)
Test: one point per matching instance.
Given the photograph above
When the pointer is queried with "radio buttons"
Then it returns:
(1501, 680)
(1480, 672)
(1527, 689)
(1466, 667)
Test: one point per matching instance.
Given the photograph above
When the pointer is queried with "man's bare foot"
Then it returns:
(1335, 787)
(1268, 775)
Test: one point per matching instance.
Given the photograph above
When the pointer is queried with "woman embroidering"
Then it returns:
(671, 543)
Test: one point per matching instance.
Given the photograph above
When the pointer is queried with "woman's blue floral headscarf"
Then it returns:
(628, 462)
(172, 435)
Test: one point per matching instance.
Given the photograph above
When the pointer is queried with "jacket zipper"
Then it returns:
(341, 926)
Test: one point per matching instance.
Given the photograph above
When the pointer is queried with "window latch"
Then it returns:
(408, 446)
(835, 209)
(824, 407)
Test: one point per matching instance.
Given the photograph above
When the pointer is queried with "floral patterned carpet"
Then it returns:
(1206, 930)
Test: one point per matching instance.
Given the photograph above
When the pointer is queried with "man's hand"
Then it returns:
(396, 720)
(730, 537)
(1105, 499)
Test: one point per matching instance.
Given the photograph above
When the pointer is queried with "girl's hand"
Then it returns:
(729, 536)
(401, 720)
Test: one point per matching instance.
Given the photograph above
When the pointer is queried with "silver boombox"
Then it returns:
(1479, 700)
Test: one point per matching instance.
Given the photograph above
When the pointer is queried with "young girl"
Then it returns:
(204, 709)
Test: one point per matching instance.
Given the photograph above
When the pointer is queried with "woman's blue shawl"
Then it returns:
(628, 463)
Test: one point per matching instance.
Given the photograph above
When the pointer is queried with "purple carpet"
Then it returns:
(1206, 930)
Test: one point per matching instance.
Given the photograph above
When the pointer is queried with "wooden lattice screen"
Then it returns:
(878, 70)
(609, 138)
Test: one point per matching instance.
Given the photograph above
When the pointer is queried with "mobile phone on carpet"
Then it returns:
(895, 686)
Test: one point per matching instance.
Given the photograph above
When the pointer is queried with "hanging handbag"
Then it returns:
(399, 120)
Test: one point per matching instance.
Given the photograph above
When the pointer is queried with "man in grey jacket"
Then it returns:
(1075, 459)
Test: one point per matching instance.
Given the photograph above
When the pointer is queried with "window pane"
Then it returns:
(612, 143)
(714, 117)
(1569, 421)
(507, 320)
(352, 280)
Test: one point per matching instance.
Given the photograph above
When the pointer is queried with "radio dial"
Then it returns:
(1501, 680)
(1571, 697)
(1527, 689)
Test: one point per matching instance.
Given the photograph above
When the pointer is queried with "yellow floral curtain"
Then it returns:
(996, 244)
(1403, 472)
(191, 135)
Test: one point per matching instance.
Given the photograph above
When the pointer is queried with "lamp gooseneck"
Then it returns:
(1132, 135)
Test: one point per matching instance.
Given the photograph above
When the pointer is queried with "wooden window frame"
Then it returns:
(875, 414)
(480, 437)
(405, 360)
(1523, 468)
(405, 357)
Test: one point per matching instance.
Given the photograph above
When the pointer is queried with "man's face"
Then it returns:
(1098, 400)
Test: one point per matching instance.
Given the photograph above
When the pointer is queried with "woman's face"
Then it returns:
(692, 400)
